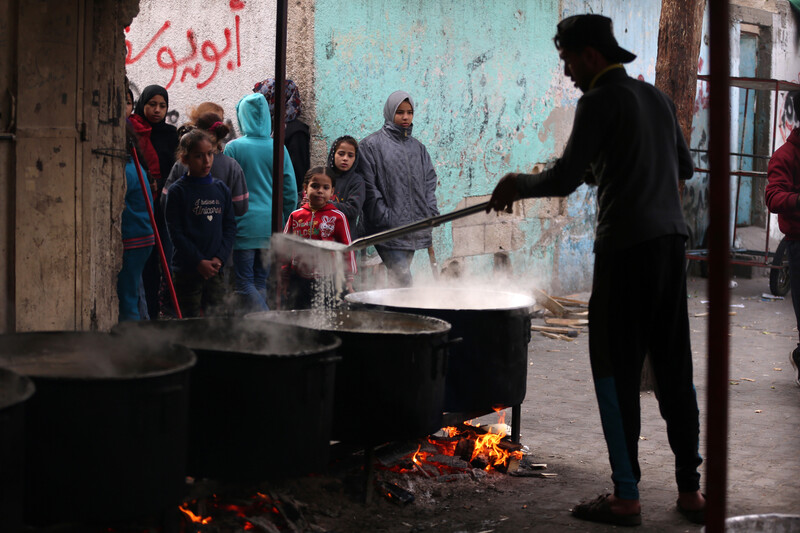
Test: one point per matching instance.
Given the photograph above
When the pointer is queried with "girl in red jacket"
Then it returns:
(310, 282)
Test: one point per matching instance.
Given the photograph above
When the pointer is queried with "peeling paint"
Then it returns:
(488, 102)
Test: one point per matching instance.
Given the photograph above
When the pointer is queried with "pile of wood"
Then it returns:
(563, 317)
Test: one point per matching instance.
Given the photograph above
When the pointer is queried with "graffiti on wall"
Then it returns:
(203, 62)
(790, 117)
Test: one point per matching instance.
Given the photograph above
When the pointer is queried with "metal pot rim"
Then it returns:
(431, 325)
(391, 298)
(24, 388)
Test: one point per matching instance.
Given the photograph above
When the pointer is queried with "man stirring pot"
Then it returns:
(626, 140)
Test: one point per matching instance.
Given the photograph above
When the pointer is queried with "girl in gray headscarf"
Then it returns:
(400, 185)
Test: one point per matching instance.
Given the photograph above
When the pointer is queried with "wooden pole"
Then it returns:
(279, 133)
(279, 120)
(718, 267)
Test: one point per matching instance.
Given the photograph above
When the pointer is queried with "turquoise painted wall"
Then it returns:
(490, 94)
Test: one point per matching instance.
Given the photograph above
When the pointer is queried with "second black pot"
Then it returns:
(14, 391)
(391, 381)
(260, 404)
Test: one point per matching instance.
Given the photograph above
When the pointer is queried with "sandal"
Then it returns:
(695, 516)
(599, 510)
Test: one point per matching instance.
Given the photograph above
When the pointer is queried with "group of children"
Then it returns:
(215, 203)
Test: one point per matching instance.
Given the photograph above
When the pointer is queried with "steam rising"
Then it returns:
(230, 336)
(450, 298)
(342, 320)
(83, 355)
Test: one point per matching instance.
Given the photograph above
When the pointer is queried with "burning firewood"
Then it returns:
(394, 493)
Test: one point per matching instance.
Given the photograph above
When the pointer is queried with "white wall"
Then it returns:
(159, 51)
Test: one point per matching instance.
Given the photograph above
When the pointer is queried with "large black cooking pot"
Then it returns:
(14, 391)
(489, 368)
(390, 383)
(261, 402)
(105, 433)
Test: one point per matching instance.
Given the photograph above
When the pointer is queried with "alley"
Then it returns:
(561, 427)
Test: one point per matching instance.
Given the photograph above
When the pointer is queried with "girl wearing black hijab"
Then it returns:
(152, 108)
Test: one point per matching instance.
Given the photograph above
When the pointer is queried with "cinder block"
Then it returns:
(517, 238)
(468, 240)
(482, 218)
(542, 207)
(500, 238)
(473, 200)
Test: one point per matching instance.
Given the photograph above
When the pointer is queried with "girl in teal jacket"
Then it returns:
(254, 153)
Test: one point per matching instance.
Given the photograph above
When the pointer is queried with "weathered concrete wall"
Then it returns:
(488, 102)
(63, 181)
(200, 51)
(215, 51)
(777, 32)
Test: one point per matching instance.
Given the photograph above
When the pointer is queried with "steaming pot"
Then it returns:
(14, 392)
(105, 433)
(261, 398)
(391, 380)
(489, 368)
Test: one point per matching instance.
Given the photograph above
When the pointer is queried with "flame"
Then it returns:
(193, 517)
(419, 456)
(260, 505)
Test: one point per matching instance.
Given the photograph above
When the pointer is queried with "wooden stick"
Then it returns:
(563, 300)
(555, 330)
(567, 321)
(549, 303)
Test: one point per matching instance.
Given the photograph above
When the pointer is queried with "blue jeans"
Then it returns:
(793, 255)
(129, 282)
(398, 263)
(251, 278)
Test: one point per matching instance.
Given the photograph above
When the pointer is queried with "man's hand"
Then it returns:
(505, 194)
(208, 268)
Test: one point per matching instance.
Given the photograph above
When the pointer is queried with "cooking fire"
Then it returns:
(460, 450)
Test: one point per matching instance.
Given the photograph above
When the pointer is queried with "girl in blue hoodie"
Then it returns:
(254, 153)
(138, 238)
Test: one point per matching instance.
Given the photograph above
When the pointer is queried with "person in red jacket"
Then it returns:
(782, 196)
(317, 219)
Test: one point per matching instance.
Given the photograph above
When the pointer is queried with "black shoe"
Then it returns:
(795, 359)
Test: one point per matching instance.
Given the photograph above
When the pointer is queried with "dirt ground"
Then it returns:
(561, 427)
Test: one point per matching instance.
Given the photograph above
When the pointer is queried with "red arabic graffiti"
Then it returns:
(189, 65)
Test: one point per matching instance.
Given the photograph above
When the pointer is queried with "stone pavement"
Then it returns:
(561, 425)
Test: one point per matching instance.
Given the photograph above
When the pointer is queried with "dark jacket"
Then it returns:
(399, 178)
(626, 140)
(297, 141)
(783, 186)
(349, 193)
(226, 170)
(200, 220)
